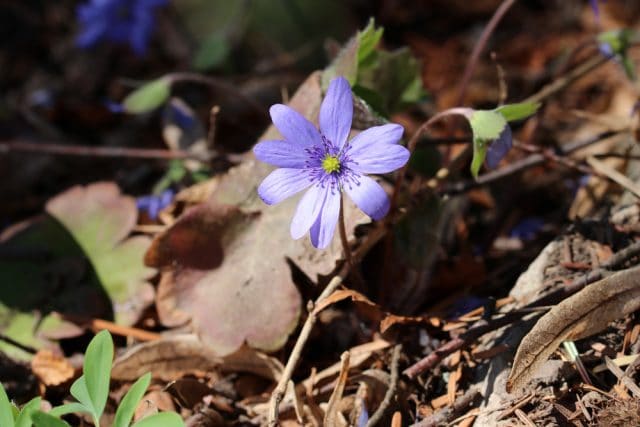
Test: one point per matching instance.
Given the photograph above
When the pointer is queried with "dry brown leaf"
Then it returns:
(581, 315)
(393, 319)
(172, 357)
(342, 294)
(168, 359)
(52, 369)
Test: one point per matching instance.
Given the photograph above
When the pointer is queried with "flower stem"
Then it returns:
(343, 235)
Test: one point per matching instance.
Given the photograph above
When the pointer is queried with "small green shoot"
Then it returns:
(148, 97)
(492, 134)
(91, 390)
(616, 43)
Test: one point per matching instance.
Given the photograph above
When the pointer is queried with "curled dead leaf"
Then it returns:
(52, 369)
(581, 315)
(172, 357)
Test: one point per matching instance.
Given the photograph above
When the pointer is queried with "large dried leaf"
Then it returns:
(73, 261)
(225, 263)
(173, 357)
(581, 315)
(99, 218)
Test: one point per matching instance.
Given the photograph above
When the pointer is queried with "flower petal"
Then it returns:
(308, 210)
(293, 126)
(281, 153)
(283, 183)
(499, 148)
(376, 150)
(322, 230)
(385, 134)
(369, 196)
(368, 154)
(336, 112)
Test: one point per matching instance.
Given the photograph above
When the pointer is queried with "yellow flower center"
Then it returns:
(331, 164)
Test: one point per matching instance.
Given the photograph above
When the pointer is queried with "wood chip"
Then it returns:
(52, 369)
(524, 418)
(628, 382)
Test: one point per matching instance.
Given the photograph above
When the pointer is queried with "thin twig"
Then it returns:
(90, 151)
(561, 82)
(532, 160)
(218, 84)
(331, 415)
(479, 47)
(555, 158)
(125, 331)
(278, 393)
(16, 344)
(445, 415)
(213, 121)
(391, 391)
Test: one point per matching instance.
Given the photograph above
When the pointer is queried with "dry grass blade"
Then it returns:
(331, 417)
(581, 315)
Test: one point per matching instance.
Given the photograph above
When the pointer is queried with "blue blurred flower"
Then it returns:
(153, 204)
(596, 8)
(120, 21)
(527, 228)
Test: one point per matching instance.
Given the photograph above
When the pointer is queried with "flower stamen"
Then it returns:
(331, 164)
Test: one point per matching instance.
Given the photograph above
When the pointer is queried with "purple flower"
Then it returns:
(120, 21)
(323, 162)
(153, 204)
(595, 8)
(499, 148)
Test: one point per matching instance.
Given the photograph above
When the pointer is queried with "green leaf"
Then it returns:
(368, 39)
(212, 52)
(629, 67)
(395, 77)
(97, 369)
(522, 110)
(148, 97)
(345, 64)
(129, 402)
(24, 418)
(618, 42)
(69, 408)
(479, 154)
(487, 125)
(80, 392)
(42, 419)
(6, 410)
(163, 419)
(358, 50)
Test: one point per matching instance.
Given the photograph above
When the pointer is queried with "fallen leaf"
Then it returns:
(392, 319)
(99, 218)
(167, 359)
(173, 357)
(581, 315)
(342, 294)
(241, 267)
(52, 369)
(76, 261)
(188, 391)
